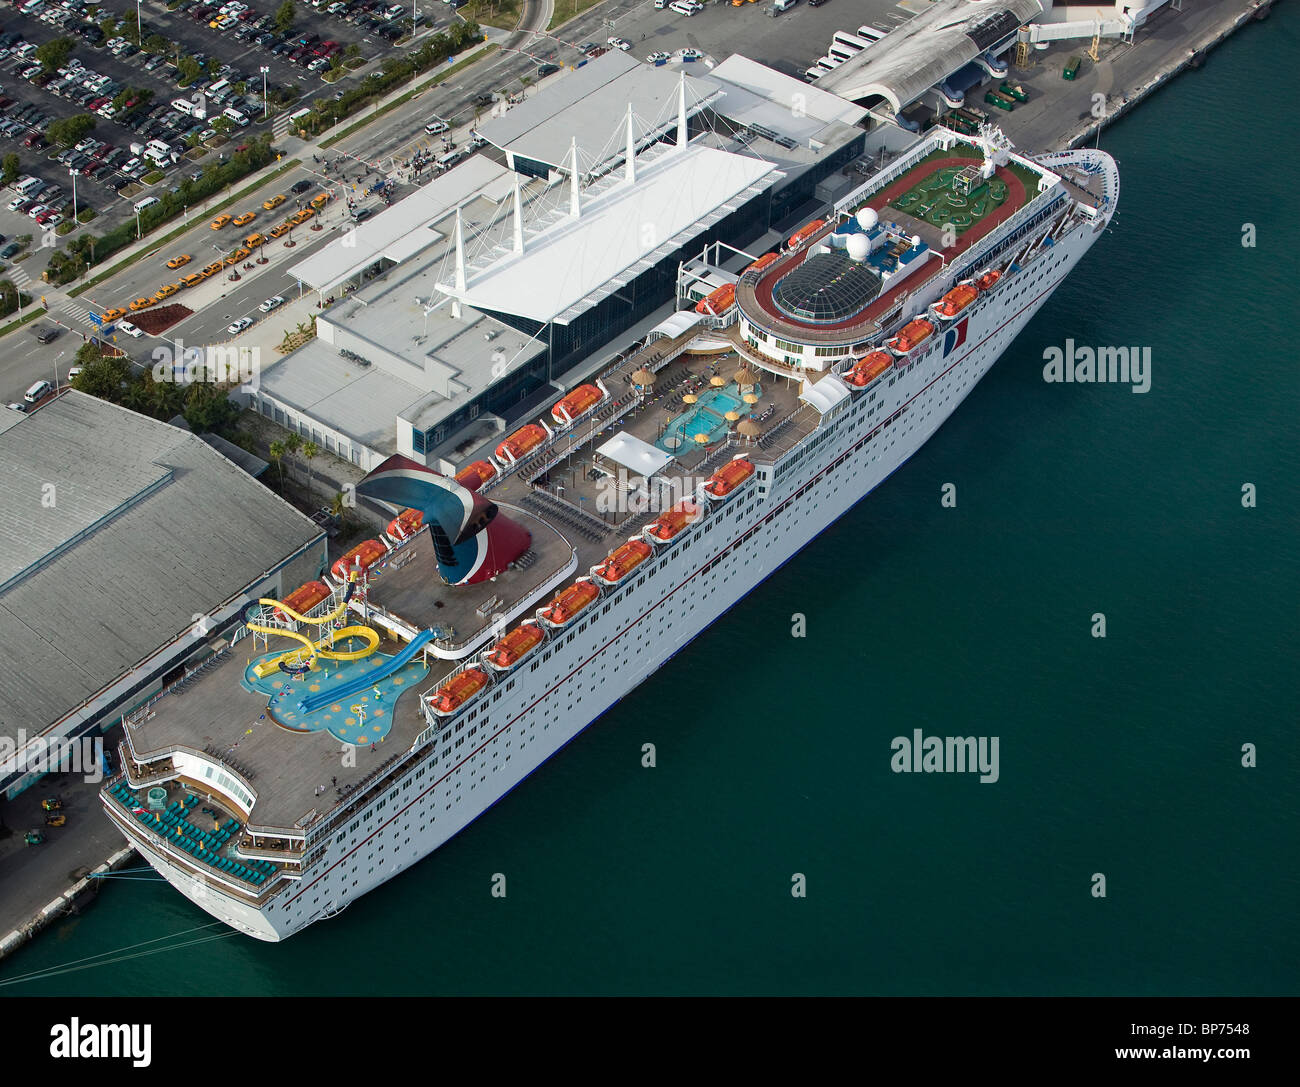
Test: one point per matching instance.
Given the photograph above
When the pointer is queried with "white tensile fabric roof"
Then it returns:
(823, 396)
(571, 264)
(634, 454)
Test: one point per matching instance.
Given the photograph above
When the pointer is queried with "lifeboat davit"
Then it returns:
(956, 300)
(671, 523)
(305, 597)
(868, 368)
(458, 690)
(569, 603)
(582, 399)
(987, 281)
(765, 261)
(521, 442)
(727, 478)
(621, 561)
(913, 334)
(473, 476)
(405, 525)
(718, 302)
(806, 232)
(360, 558)
(516, 645)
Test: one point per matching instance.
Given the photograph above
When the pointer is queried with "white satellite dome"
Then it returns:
(867, 218)
(916, 239)
(859, 245)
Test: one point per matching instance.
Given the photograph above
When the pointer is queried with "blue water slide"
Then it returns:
(365, 682)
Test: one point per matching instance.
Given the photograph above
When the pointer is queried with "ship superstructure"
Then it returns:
(309, 762)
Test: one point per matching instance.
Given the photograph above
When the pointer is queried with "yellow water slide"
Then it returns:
(311, 650)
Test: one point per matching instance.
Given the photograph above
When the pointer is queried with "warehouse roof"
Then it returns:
(118, 530)
(925, 50)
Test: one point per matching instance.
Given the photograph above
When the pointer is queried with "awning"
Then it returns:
(633, 454)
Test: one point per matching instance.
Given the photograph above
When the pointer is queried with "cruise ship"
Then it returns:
(349, 727)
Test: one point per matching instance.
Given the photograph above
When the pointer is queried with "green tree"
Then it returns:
(54, 54)
(9, 167)
(190, 70)
(109, 26)
(8, 298)
(309, 451)
(224, 125)
(276, 453)
(208, 407)
(104, 376)
(284, 16)
(352, 51)
(158, 45)
(292, 444)
(158, 399)
(68, 130)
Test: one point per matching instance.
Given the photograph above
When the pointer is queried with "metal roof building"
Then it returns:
(924, 51)
(126, 546)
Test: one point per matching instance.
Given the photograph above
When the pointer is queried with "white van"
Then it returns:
(38, 391)
(447, 161)
(681, 8)
(30, 185)
(190, 109)
(147, 202)
(219, 90)
(236, 116)
(783, 5)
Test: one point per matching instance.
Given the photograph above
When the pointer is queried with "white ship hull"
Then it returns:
(553, 695)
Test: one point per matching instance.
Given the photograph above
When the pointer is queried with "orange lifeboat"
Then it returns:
(870, 367)
(718, 302)
(522, 441)
(583, 398)
(565, 606)
(957, 300)
(988, 279)
(458, 690)
(765, 261)
(405, 525)
(803, 234)
(514, 646)
(622, 560)
(306, 597)
(671, 523)
(727, 478)
(914, 333)
(475, 475)
(361, 557)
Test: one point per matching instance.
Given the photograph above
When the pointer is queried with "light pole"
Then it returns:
(137, 224)
(139, 30)
(265, 104)
(74, 174)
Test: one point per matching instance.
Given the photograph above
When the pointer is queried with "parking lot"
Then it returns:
(111, 162)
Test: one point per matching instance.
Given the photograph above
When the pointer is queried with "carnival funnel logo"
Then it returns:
(955, 336)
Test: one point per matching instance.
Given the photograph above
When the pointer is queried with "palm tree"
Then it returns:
(276, 453)
(291, 446)
(309, 451)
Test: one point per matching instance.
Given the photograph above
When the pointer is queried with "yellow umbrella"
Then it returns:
(689, 398)
(702, 438)
(717, 382)
(750, 398)
(732, 416)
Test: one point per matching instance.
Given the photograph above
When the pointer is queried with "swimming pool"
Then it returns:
(707, 417)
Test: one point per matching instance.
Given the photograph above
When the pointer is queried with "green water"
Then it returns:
(1118, 756)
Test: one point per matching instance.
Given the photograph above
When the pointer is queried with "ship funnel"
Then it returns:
(472, 540)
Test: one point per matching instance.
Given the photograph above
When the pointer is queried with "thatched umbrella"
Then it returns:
(749, 428)
(745, 376)
(717, 382)
(750, 398)
(643, 377)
